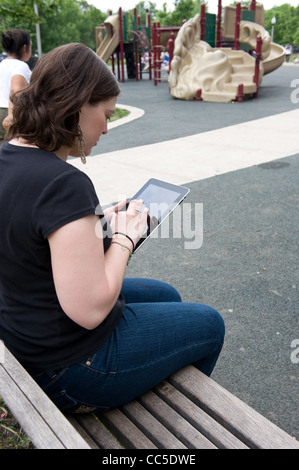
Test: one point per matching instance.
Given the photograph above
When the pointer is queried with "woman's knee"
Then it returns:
(169, 292)
(149, 290)
(217, 325)
(209, 323)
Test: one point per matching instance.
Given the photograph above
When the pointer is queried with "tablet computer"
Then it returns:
(161, 198)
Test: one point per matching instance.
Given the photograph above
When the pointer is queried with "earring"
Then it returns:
(81, 145)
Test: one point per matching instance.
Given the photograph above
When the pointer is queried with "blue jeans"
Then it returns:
(157, 335)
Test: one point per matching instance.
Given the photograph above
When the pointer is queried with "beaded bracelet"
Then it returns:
(125, 235)
(124, 247)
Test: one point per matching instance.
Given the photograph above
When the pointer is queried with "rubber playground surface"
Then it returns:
(241, 163)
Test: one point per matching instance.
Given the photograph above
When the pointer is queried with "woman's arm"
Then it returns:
(18, 82)
(87, 281)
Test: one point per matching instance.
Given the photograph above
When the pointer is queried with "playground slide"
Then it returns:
(216, 73)
(275, 59)
(111, 40)
(273, 55)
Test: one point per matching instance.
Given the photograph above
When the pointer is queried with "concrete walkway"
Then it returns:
(241, 162)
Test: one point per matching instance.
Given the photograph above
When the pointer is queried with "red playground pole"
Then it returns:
(202, 21)
(136, 46)
(170, 49)
(148, 24)
(218, 27)
(237, 26)
(158, 56)
(257, 63)
(253, 6)
(155, 51)
(121, 44)
(240, 95)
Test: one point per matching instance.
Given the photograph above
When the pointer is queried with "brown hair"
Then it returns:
(14, 40)
(46, 113)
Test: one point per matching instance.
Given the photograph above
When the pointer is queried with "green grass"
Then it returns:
(11, 434)
(119, 113)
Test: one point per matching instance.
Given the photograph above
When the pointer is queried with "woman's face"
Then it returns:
(93, 122)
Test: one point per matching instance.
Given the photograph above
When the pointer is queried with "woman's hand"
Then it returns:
(111, 212)
(7, 122)
(131, 222)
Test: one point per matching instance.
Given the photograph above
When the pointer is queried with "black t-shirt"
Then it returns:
(38, 194)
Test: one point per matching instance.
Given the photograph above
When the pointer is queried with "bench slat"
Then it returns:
(75, 422)
(125, 431)
(176, 424)
(94, 432)
(152, 428)
(248, 425)
(45, 425)
(210, 428)
(26, 415)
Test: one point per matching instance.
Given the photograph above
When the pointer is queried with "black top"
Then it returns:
(38, 194)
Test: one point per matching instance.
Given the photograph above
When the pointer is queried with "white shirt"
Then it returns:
(9, 68)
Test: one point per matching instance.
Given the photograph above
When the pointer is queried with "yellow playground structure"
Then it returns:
(210, 59)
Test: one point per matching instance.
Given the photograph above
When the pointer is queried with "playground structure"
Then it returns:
(206, 61)
(115, 40)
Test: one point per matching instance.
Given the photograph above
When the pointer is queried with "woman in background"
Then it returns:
(14, 73)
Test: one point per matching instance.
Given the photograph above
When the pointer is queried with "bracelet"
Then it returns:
(125, 235)
(124, 247)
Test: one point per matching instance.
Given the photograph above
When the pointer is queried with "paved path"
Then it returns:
(241, 162)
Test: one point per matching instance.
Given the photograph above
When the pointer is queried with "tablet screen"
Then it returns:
(161, 198)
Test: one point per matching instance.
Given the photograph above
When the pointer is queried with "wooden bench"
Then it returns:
(187, 411)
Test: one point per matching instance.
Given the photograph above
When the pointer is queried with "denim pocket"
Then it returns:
(63, 401)
(68, 404)
(49, 378)
(57, 392)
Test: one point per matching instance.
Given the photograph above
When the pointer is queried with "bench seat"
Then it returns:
(187, 411)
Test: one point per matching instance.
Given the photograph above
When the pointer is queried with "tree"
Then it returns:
(20, 14)
(17, 13)
(287, 23)
(61, 21)
(184, 10)
(73, 21)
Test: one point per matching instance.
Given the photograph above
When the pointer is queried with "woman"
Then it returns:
(89, 337)
(14, 73)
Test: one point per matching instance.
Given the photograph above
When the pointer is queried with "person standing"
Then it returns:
(14, 73)
(288, 51)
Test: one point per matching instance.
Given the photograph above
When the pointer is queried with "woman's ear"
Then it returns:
(26, 52)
